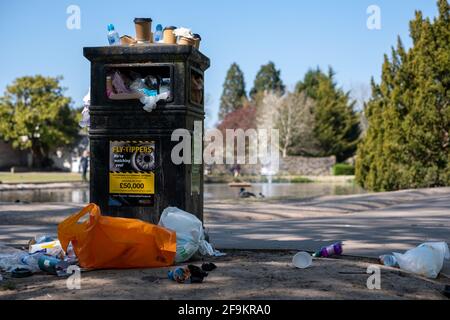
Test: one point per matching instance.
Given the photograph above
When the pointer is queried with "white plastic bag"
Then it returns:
(426, 260)
(190, 234)
(85, 117)
(189, 230)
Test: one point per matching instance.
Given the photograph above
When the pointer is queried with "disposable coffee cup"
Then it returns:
(197, 40)
(302, 260)
(184, 41)
(168, 35)
(143, 30)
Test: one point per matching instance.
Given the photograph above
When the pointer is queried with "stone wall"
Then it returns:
(10, 157)
(293, 165)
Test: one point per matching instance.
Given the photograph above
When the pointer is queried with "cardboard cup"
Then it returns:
(143, 28)
(186, 41)
(197, 40)
(169, 36)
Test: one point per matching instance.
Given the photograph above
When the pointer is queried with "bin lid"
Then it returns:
(145, 53)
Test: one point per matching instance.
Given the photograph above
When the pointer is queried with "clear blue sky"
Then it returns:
(295, 34)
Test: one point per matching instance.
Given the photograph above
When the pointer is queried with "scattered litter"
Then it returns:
(208, 266)
(190, 234)
(102, 241)
(11, 258)
(426, 260)
(191, 273)
(197, 274)
(52, 248)
(388, 260)
(21, 272)
(302, 260)
(180, 275)
(328, 251)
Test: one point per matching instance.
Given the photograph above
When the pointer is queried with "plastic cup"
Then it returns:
(302, 260)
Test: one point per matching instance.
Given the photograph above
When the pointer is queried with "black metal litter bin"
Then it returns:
(132, 174)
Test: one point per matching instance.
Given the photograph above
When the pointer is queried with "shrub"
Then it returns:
(343, 169)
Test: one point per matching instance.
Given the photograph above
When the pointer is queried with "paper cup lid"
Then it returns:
(138, 20)
(302, 260)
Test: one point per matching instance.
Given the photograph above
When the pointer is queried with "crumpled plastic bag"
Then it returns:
(426, 260)
(119, 83)
(189, 232)
(12, 258)
(150, 102)
(183, 32)
(85, 117)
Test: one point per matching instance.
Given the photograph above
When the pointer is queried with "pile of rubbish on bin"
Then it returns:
(149, 90)
(102, 242)
(169, 35)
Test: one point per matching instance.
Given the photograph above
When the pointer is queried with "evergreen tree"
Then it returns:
(233, 95)
(407, 142)
(336, 125)
(267, 79)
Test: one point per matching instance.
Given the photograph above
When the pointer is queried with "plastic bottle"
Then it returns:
(334, 249)
(159, 33)
(113, 36)
(388, 260)
(180, 275)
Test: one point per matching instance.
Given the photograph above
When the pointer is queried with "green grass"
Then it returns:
(343, 169)
(255, 179)
(39, 177)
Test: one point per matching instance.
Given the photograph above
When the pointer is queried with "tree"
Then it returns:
(336, 122)
(296, 123)
(267, 79)
(35, 115)
(243, 118)
(233, 95)
(407, 141)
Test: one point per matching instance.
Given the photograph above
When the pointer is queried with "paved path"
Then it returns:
(369, 224)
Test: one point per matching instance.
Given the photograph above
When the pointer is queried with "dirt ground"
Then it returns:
(240, 275)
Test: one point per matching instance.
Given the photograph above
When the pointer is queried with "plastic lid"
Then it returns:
(197, 36)
(170, 28)
(159, 27)
(110, 27)
(137, 20)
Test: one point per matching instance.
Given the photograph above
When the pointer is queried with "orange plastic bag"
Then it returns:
(110, 243)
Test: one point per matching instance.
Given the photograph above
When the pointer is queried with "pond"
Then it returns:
(212, 192)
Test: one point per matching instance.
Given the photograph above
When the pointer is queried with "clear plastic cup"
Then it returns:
(302, 260)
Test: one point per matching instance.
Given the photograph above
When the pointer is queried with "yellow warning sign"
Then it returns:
(131, 183)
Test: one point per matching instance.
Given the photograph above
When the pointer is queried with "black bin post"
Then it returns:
(132, 174)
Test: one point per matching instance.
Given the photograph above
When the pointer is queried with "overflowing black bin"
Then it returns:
(132, 174)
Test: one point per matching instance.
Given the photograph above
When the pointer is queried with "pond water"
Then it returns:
(212, 192)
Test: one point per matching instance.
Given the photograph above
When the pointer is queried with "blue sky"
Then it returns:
(295, 34)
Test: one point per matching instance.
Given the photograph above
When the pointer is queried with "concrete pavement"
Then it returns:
(369, 225)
